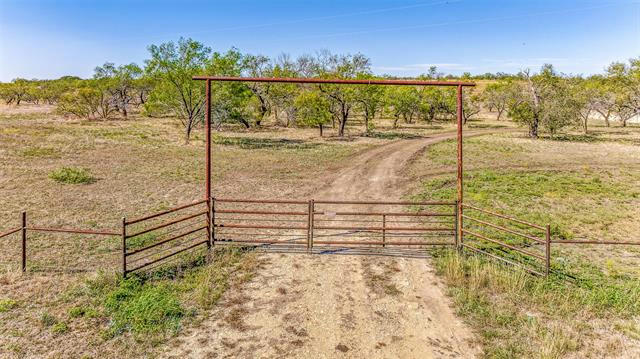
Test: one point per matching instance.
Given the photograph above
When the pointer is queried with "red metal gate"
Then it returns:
(334, 223)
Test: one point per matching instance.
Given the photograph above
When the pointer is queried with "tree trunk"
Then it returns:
(320, 126)
(499, 114)
(533, 127)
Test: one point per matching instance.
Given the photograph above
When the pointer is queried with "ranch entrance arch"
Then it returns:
(303, 222)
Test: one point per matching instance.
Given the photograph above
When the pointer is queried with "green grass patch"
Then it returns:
(140, 241)
(60, 328)
(392, 135)
(7, 304)
(519, 315)
(250, 143)
(569, 201)
(156, 305)
(41, 152)
(70, 175)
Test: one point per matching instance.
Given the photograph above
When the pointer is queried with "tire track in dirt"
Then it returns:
(351, 306)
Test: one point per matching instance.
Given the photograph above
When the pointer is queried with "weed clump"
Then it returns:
(70, 175)
(7, 304)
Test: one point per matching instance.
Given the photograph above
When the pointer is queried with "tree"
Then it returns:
(470, 105)
(496, 96)
(403, 101)
(343, 98)
(543, 99)
(172, 66)
(283, 95)
(625, 80)
(369, 98)
(120, 81)
(89, 99)
(312, 109)
(259, 66)
(230, 101)
(585, 94)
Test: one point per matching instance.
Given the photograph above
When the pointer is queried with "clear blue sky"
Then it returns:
(48, 39)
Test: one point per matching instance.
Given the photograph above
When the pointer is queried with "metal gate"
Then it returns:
(333, 223)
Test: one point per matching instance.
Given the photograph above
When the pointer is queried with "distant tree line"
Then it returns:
(544, 101)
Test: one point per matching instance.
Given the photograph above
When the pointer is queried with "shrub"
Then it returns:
(70, 175)
(60, 328)
(7, 304)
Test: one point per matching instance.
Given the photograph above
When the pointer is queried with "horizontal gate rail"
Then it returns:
(179, 235)
(477, 250)
(464, 205)
(166, 224)
(174, 209)
(503, 229)
(502, 244)
(545, 256)
(248, 221)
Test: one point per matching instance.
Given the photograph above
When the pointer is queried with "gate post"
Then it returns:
(310, 226)
(124, 247)
(547, 249)
(456, 237)
(212, 222)
(384, 230)
(24, 241)
(459, 110)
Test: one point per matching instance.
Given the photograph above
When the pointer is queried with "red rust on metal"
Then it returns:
(459, 169)
(70, 230)
(504, 229)
(168, 256)
(417, 229)
(166, 241)
(387, 203)
(166, 212)
(391, 214)
(166, 224)
(12, 231)
(385, 243)
(236, 200)
(302, 80)
(595, 242)
(257, 227)
(466, 231)
(261, 212)
(504, 216)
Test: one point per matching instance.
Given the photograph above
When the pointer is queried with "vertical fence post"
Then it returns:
(460, 187)
(312, 214)
(384, 230)
(457, 237)
(124, 247)
(24, 241)
(213, 222)
(547, 249)
(308, 225)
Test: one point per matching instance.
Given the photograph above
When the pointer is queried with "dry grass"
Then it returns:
(586, 188)
(139, 166)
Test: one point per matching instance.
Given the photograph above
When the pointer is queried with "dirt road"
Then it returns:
(340, 306)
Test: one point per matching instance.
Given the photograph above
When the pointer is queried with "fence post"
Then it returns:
(312, 209)
(547, 249)
(384, 230)
(24, 241)
(457, 230)
(124, 247)
(213, 222)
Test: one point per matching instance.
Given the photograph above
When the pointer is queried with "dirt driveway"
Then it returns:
(340, 306)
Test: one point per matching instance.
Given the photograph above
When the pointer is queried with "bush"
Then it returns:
(70, 175)
(7, 304)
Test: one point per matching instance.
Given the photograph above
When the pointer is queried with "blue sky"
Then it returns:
(48, 39)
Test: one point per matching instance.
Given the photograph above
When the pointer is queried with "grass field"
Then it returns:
(89, 174)
(586, 187)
